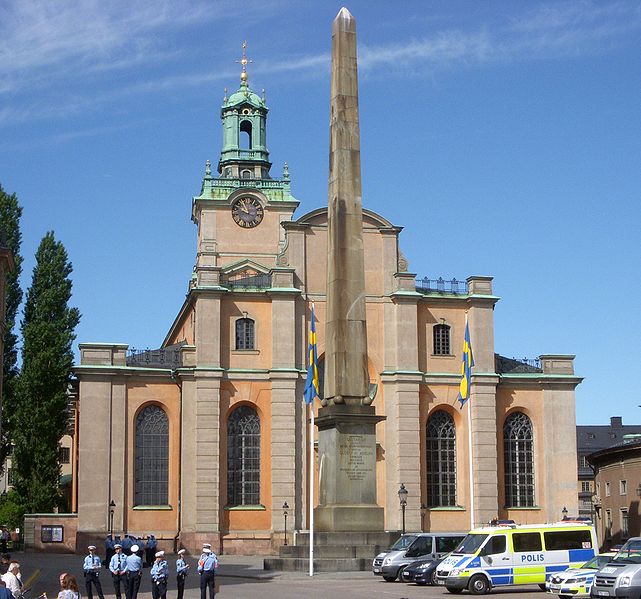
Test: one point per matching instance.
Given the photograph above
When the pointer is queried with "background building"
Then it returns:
(204, 439)
(618, 491)
(591, 438)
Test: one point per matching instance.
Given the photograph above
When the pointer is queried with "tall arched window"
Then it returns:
(441, 460)
(244, 333)
(151, 457)
(243, 457)
(245, 135)
(518, 440)
(441, 334)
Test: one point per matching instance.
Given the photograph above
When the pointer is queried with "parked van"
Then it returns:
(426, 544)
(621, 576)
(512, 555)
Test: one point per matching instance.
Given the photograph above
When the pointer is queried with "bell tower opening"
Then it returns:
(245, 135)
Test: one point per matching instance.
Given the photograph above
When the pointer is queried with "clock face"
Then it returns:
(247, 212)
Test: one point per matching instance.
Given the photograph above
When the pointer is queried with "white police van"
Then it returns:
(515, 554)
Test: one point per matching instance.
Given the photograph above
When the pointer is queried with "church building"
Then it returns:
(206, 438)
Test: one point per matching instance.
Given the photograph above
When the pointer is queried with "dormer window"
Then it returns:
(245, 333)
(246, 174)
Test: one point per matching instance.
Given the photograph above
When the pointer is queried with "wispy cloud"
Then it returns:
(44, 41)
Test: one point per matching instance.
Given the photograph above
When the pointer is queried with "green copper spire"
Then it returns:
(244, 114)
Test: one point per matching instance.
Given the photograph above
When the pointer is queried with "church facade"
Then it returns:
(205, 439)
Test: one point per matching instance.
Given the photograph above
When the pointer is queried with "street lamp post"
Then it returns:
(112, 507)
(402, 497)
(285, 508)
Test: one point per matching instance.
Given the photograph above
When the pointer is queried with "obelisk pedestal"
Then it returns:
(347, 470)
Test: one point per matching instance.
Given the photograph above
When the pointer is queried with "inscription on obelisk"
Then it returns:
(347, 421)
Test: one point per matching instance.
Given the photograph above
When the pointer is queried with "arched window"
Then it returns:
(519, 461)
(441, 460)
(245, 135)
(441, 334)
(244, 333)
(243, 457)
(246, 174)
(151, 457)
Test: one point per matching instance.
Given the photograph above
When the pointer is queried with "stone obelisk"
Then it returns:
(347, 421)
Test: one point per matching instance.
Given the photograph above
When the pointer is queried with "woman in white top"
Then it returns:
(68, 587)
(13, 579)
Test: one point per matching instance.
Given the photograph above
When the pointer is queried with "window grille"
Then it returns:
(519, 461)
(151, 457)
(441, 460)
(243, 457)
(441, 340)
(244, 333)
(64, 455)
(585, 486)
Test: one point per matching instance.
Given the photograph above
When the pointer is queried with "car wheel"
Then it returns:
(478, 585)
(389, 578)
(433, 580)
(453, 590)
(565, 596)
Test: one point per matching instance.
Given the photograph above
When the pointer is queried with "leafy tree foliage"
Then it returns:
(11, 510)
(10, 214)
(41, 408)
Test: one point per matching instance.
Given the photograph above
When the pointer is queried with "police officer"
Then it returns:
(182, 569)
(207, 565)
(92, 566)
(118, 569)
(159, 573)
(134, 573)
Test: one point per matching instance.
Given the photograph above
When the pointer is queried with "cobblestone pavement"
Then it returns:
(242, 577)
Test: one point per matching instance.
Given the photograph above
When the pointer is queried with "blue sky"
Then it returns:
(504, 137)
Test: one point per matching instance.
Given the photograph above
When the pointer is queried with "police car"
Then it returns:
(577, 581)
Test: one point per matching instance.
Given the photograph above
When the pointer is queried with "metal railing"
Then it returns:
(441, 285)
(154, 358)
(517, 365)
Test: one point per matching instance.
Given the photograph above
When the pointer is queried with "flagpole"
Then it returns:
(469, 436)
(311, 489)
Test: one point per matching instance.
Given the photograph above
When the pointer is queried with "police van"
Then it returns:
(513, 554)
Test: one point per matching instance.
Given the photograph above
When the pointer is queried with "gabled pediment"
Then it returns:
(243, 269)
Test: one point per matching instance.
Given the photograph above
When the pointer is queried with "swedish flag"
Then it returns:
(466, 367)
(311, 386)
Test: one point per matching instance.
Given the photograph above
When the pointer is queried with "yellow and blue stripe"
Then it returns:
(466, 367)
(312, 388)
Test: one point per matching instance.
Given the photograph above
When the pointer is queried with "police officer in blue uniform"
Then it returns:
(207, 565)
(182, 569)
(118, 569)
(91, 566)
(159, 573)
(134, 573)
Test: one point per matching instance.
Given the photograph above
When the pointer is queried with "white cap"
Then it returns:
(160, 554)
(117, 546)
(135, 548)
(208, 545)
(206, 550)
(181, 551)
(91, 547)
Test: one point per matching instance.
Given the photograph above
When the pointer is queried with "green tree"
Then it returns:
(11, 510)
(10, 214)
(40, 417)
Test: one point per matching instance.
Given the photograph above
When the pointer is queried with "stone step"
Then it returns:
(293, 564)
(332, 551)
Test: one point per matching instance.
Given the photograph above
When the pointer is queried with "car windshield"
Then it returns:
(403, 543)
(470, 544)
(597, 562)
(630, 553)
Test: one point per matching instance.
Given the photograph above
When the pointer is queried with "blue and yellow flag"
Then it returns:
(311, 386)
(466, 367)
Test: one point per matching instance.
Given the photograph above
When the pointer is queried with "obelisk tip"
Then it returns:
(344, 19)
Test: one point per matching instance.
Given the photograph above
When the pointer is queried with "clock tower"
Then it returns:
(240, 210)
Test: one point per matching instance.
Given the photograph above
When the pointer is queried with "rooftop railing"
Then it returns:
(259, 281)
(441, 285)
(154, 358)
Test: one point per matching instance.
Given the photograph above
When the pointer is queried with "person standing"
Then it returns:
(159, 573)
(109, 549)
(150, 549)
(134, 573)
(207, 565)
(182, 569)
(92, 567)
(68, 587)
(118, 569)
(13, 580)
